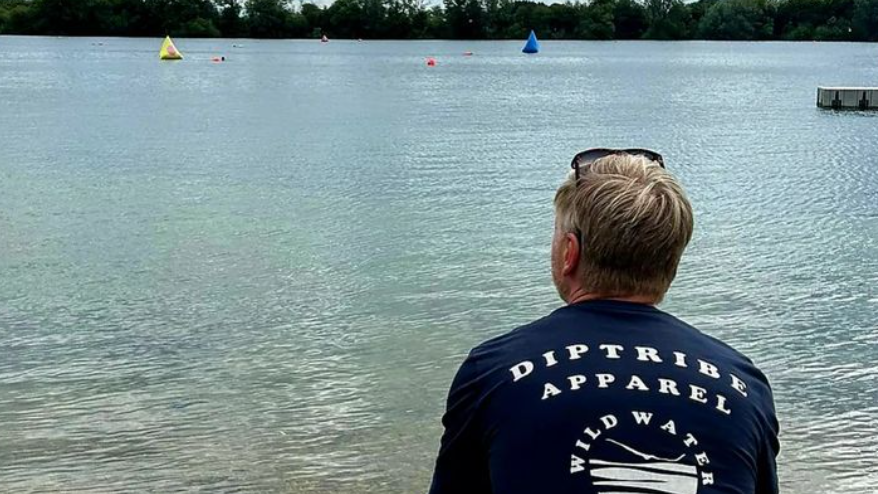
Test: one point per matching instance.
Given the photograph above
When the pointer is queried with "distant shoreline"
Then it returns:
(595, 20)
(456, 40)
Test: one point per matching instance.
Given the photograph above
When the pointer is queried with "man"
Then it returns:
(609, 394)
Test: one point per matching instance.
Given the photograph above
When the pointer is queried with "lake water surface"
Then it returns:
(259, 276)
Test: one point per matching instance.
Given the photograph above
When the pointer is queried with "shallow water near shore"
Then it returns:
(260, 275)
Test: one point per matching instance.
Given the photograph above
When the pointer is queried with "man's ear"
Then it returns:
(571, 253)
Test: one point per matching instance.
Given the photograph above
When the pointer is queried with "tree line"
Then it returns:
(822, 20)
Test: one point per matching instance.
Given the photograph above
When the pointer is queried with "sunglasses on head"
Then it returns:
(589, 156)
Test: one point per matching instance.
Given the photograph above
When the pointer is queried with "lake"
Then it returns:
(259, 276)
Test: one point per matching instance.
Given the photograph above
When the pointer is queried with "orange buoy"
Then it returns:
(431, 62)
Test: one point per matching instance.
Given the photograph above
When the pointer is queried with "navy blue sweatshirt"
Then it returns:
(608, 397)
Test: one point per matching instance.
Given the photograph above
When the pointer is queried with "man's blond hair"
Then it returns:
(634, 222)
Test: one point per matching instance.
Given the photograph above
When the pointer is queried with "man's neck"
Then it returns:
(580, 296)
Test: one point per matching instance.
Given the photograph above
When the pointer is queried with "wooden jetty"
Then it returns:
(854, 98)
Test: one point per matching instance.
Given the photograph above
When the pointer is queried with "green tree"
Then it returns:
(501, 16)
(345, 19)
(17, 17)
(561, 20)
(668, 19)
(199, 28)
(231, 21)
(698, 10)
(268, 18)
(737, 20)
(404, 19)
(298, 26)
(629, 19)
(466, 19)
(596, 21)
(314, 15)
(437, 27)
(62, 17)
(834, 30)
(865, 20)
(813, 19)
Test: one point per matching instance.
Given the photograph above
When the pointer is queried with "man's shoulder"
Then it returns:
(517, 341)
(714, 348)
(602, 324)
(712, 343)
(598, 321)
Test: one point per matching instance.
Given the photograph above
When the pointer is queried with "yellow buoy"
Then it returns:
(169, 51)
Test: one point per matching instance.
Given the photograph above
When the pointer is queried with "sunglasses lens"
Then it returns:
(646, 153)
(588, 157)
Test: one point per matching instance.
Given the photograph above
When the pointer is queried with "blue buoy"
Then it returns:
(532, 45)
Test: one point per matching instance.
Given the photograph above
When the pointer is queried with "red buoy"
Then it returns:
(431, 62)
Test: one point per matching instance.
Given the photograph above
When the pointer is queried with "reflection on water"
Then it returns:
(259, 276)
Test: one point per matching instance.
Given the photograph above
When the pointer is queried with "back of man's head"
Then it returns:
(634, 222)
